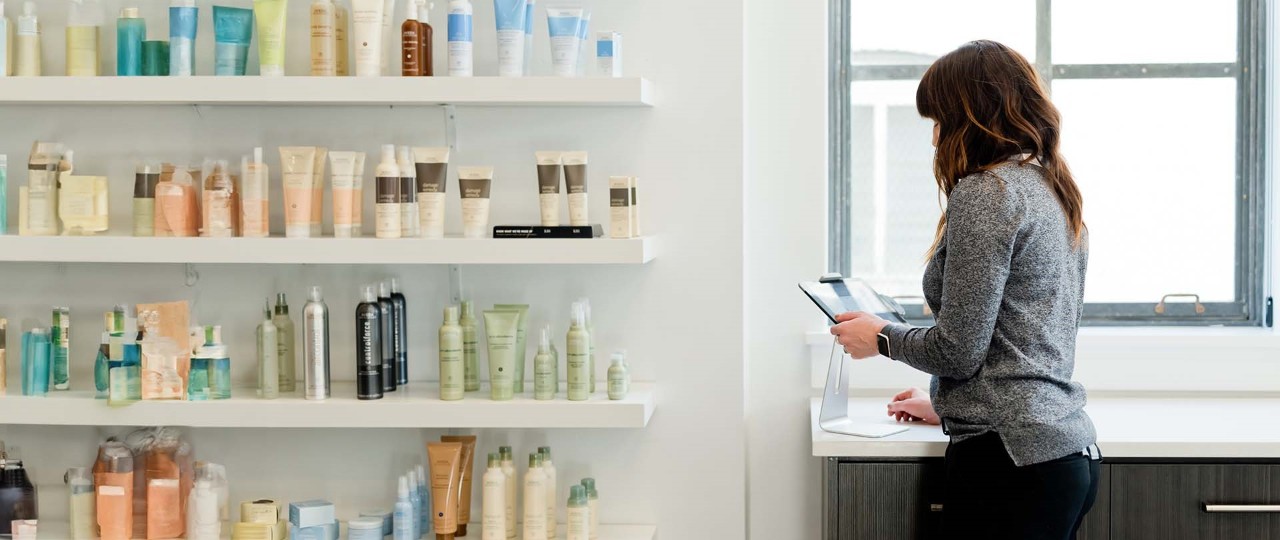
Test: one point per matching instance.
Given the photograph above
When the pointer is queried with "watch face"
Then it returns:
(882, 343)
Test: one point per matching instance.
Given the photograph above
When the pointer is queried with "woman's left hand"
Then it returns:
(856, 331)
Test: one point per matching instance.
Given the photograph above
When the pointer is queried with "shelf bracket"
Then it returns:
(190, 276)
(455, 284)
(450, 128)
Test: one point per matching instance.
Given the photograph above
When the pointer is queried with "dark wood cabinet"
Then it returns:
(1137, 500)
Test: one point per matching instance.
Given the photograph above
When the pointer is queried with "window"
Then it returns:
(1163, 126)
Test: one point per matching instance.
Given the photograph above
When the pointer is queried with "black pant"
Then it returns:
(989, 497)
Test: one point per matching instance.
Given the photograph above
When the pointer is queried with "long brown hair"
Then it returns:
(990, 106)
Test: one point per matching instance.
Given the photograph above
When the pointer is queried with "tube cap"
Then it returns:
(402, 488)
(422, 477)
(126, 13)
(388, 152)
(505, 452)
(545, 451)
(451, 315)
(544, 342)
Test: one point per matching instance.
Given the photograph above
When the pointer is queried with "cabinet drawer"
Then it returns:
(1168, 502)
(887, 501)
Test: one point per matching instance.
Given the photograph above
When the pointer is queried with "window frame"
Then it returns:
(1252, 306)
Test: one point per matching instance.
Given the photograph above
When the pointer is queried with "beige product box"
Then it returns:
(620, 207)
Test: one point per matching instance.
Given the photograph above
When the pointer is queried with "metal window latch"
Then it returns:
(1195, 298)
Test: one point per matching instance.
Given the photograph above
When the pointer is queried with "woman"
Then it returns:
(1005, 278)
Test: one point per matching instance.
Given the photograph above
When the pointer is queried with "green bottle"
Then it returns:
(452, 371)
(577, 355)
(470, 356)
(544, 369)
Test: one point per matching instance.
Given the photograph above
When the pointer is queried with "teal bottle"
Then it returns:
(131, 30)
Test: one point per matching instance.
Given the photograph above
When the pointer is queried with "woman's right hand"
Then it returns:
(913, 405)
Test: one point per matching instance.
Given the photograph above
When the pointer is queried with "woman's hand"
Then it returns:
(856, 331)
(913, 405)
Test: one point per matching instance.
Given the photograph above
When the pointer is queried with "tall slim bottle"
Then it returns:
(84, 29)
(408, 194)
(451, 370)
(342, 49)
(387, 318)
(593, 507)
(411, 42)
(509, 471)
(577, 343)
(535, 499)
(493, 501)
(470, 355)
(268, 357)
(368, 346)
(324, 58)
(579, 522)
(544, 369)
(426, 34)
(131, 31)
(387, 209)
(549, 469)
(27, 46)
(591, 346)
(145, 178)
(61, 343)
(285, 343)
(401, 332)
(315, 346)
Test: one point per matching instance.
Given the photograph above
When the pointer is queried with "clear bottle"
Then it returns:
(452, 387)
(203, 519)
(493, 501)
(535, 499)
(218, 196)
(509, 471)
(415, 500)
(403, 522)
(549, 469)
(544, 369)
(83, 516)
(619, 378)
(324, 58)
(424, 495)
(470, 355)
(285, 344)
(268, 357)
(593, 504)
(577, 354)
(579, 522)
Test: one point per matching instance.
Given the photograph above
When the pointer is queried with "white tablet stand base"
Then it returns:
(833, 417)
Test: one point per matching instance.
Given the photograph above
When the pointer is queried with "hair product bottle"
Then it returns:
(426, 34)
(535, 499)
(549, 469)
(28, 61)
(268, 357)
(368, 346)
(577, 355)
(509, 471)
(145, 178)
(400, 332)
(593, 507)
(387, 317)
(411, 42)
(84, 29)
(324, 58)
(544, 369)
(619, 378)
(388, 207)
(470, 355)
(579, 523)
(315, 346)
(451, 357)
(409, 221)
(285, 344)
(493, 501)
(403, 523)
(342, 48)
(131, 31)
(80, 503)
(461, 63)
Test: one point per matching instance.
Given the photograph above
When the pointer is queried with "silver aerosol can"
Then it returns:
(315, 346)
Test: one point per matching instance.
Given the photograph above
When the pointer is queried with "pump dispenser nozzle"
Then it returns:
(544, 340)
(384, 290)
(367, 294)
(402, 490)
(315, 295)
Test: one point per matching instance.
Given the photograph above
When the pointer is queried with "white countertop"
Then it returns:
(1127, 427)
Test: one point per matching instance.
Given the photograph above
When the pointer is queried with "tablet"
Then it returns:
(835, 295)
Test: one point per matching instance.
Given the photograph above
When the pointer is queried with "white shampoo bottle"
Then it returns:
(579, 522)
(509, 470)
(494, 501)
(461, 61)
(535, 499)
(388, 190)
(549, 469)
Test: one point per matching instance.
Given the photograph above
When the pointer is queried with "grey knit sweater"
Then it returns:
(1006, 286)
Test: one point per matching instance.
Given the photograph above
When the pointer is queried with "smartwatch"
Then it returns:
(882, 344)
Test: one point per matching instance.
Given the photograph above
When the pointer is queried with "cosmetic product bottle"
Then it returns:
(509, 471)
(387, 319)
(6, 44)
(424, 495)
(549, 469)
(217, 194)
(400, 332)
(27, 46)
(80, 505)
(409, 223)
(255, 216)
(584, 32)
(591, 345)
(368, 346)
(18, 500)
(270, 17)
(317, 191)
(268, 357)
(509, 16)
(101, 363)
(432, 170)
(549, 169)
(232, 32)
(528, 36)
(341, 46)
(403, 527)
(451, 357)
(131, 31)
(388, 207)
(145, 178)
(60, 341)
(575, 176)
(609, 54)
(476, 184)
(562, 25)
(493, 501)
(155, 58)
(163, 489)
(36, 358)
(577, 355)
(579, 522)
(285, 343)
(411, 42)
(4, 159)
(203, 521)
(620, 207)
(160, 376)
(366, 21)
(467, 463)
(183, 21)
(470, 355)
(619, 380)
(415, 502)
(38, 200)
(315, 346)
(502, 334)
(4, 374)
(113, 483)
(555, 359)
(535, 499)
(544, 384)
(210, 375)
(323, 43)
(593, 505)
(426, 34)
(82, 204)
(84, 28)
(461, 63)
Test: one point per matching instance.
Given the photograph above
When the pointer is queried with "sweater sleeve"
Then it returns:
(983, 218)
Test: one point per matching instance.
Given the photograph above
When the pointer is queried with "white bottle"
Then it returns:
(203, 522)
(388, 193)
(408, 194)
(461, 62)
(509, 469)
(579, 522)
(28, 43)
(619, 379)
(415, 499)
(494, 501)
(593, 505)
(535, 499)
(549, 469)
(403, 522)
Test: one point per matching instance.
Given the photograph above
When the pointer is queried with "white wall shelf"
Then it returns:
(417, 407)
(60, 529)
(364, 251)
(276, 91)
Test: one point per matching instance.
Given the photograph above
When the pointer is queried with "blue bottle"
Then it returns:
(131, 31)
(404, 522)
(37, 360)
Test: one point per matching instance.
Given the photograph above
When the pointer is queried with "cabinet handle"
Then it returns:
(935, 507)
(1241, 508)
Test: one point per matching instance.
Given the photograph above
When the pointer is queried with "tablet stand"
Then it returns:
(833, 417)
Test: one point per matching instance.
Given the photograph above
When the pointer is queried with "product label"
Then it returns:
(604, 49)
(460, 64)
(431, 177)
(549, 178)
(510, 53)
(407, 192)
(619, 197)
(230, 58)
(452, 372)
(459, 27)
(550, 205)
(578, 209)
(564, 55)
(387, 216)
(75, 205)
(431, 213)
(144, 217)
(579, 522)
(475, 188)
(182, 60)
(617, 387)
(217, 213)
(388, 189)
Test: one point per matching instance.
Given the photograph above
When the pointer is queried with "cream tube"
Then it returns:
(549, 186)
(510, 15)
(445, 460)
(500, 330)
(620, 207)
(357, 196)
(563, 25)
(298, 172)
(366, 18)
(432, 166)
(270, 17)
(476, 183)
(255, 218)
(343, 185)
(387, 220)
(575, 178)
(317, 193)
(464, 488)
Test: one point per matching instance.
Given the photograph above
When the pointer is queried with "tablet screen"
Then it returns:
(847, 295)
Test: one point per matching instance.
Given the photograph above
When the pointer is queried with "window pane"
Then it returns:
(919, 31)
(1143, 31)
(1155, 160)
(894, 197)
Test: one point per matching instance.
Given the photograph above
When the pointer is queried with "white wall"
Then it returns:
(786, 225)
(688, 151)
